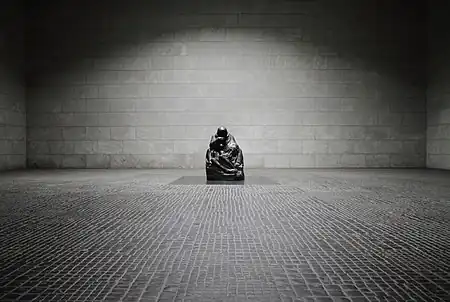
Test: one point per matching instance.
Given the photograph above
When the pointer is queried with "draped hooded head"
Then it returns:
(222, 132)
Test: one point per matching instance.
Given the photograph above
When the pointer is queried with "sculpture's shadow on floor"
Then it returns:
(201, 180)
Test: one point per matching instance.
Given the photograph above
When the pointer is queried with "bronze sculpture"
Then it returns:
(224, 158)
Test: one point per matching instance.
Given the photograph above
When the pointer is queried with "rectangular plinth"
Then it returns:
(201, 180)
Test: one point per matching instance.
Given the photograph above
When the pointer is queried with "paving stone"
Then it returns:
(134, 236)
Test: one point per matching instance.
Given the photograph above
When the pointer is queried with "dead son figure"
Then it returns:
(224, 158)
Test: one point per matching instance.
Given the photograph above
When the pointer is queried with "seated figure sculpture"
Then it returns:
(224, 158)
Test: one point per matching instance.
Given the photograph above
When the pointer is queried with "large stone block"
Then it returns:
(36, 103)
(438, 147)
(111, 77)
(353, 160)
(192, 118)
(438, 161)
(149, 133)
(118, 119)
(61, 147)
(381, 132)
(99, 105)
(288, 132)
(102, 77)
(290, 146)
(153, 161)
(122, 105)
(123, 133)
(279, 161)
(259, 146)
(368, 147)
(267, 34)
(252, 160)
(341, 132)
(150, 118)
(194, 132)
(33, 147)
(85, 147)
(390, 147)
(242, 132)
(148, 147)
(302, 161)
(390, 119)
(69, 120)
(212, 34)
(401, 105)
(274, 118)
(300, 104)
(6, 147)
(110, 147)
(411, 161)
(283, 62)
(15, 161)
(45, 161)
(417, 147)
(190, 146)
(196, 20)
(340, 146)
(378, 160)
(327, 161)
(74, 105)
(13, 118)
(18, 148)
(166, 62)
(3, 162)
(278, 20)
(124, 161)
(438, 132)
(98, 133)
(74, 161)
(333, 104)
(74, 133)
(124, 63)
(98, 161)
(13, 132)
(123, 91)
(315, 147)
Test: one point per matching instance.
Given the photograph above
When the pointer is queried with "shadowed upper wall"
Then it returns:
(12, 87)
(299, 83)
(438, 92)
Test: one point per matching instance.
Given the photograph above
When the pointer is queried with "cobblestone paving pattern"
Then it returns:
(318, 236)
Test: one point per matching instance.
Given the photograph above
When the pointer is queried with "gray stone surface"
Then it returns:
(148, 84)
(12, 88)
(438, 101)
(320, 235)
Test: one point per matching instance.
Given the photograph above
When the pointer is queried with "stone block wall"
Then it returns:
(12, 88)
(134, 84)
(438, 92)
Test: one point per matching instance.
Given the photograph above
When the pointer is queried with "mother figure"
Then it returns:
(224, 158)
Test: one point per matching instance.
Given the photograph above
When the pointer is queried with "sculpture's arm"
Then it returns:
(218, 164)
(210, 151)
(211, 141)
(239, 160)
(208, 157)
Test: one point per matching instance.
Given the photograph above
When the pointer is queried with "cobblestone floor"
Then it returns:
(338, 235)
